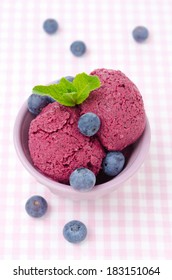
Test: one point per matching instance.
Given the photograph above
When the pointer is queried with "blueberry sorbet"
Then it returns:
(57, 147)
(119, 105)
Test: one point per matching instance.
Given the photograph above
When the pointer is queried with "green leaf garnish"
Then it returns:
(70, 93)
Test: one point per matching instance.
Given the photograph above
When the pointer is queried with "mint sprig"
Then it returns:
(70, 93)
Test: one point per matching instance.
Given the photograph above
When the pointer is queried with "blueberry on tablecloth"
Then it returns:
(75, 231)
(140, 34)
(78, 48)
(36, 206)
(50, 26)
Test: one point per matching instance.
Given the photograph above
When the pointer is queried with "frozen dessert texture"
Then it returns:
(57, 143)
(119, 105)
(58, 148)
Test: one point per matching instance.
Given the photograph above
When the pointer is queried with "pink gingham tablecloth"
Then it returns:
(134, 222)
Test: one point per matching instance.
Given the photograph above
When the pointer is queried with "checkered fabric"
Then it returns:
(134, 222)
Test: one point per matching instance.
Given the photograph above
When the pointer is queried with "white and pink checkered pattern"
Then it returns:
(135, 222)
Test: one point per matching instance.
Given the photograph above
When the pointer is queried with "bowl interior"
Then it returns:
(135, 155)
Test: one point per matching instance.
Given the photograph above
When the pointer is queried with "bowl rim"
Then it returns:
(66, 190)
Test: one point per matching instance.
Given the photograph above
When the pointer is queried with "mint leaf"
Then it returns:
(64, 92)
(70, 93)
(85, 84)
(58, 92)
(66, 85)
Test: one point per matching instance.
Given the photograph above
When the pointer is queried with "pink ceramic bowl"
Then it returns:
(138, 153)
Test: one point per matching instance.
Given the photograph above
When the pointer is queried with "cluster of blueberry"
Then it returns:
(82, 179)
(74, 231)
(78, 48)
(50, 26)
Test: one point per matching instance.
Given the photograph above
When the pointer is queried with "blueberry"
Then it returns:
(89, 124)
(69, 78)
(78, 48)
(82, 179)
(75, 231)
(113, 163)
(37, 102)
(36, 206)
(50, 99)
(50, 26)
(140, 34)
